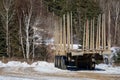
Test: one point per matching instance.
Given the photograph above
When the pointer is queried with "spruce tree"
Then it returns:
(2, 38)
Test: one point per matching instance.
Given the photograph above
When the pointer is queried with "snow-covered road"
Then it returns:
(13, 78)
(41, 78)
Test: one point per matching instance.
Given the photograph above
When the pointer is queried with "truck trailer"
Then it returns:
(96, 42)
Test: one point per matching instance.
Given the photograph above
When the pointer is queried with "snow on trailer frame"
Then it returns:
(96, 42)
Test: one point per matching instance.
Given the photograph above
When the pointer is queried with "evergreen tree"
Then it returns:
(2, 38)
(81, 9)
(56, 6)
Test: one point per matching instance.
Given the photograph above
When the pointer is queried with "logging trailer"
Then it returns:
(96, 43)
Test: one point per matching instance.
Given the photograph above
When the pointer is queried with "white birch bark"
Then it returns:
(27, 19)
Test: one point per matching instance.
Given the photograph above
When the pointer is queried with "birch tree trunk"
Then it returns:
(27, 20)
(7, 34)
(21, 38)
(33, 56)
(116, 23)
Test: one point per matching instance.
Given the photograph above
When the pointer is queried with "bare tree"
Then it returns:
(32, 18)
(27, 13)
(117, 11)
(19, 15)
(114, 7)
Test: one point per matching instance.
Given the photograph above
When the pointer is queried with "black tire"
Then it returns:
(55, 62)
(63, 63)
(93, 66)
(59, 64)
(93, 63)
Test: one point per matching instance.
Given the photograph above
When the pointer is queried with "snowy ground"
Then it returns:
(46, 67)
(12, 78)
(107, 69)
(46, 71)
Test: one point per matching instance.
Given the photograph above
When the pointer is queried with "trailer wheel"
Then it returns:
(92, 63)
(93, 66)
(55, 62)
(63, 61)
(59, 61)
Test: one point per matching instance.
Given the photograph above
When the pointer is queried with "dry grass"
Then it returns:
(30, 61)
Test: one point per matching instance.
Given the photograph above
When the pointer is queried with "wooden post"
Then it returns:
(64, 33)
(97, 36)
(56, 37)
(68, 31)
(109, 34)
(104, 25)
(93, 33)
(99, 39)
(84, 37)
(71, 32)
(102, 32)
(61, 39)
(87, 35)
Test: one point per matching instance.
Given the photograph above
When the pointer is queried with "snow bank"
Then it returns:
(14, 64)
(107, 69)
(2, 64)
(42, 66)
(17, 64)
(45, 67)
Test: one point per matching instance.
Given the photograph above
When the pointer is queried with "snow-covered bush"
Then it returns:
(115, 57)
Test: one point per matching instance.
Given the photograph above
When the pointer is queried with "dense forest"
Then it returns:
(26, 26)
